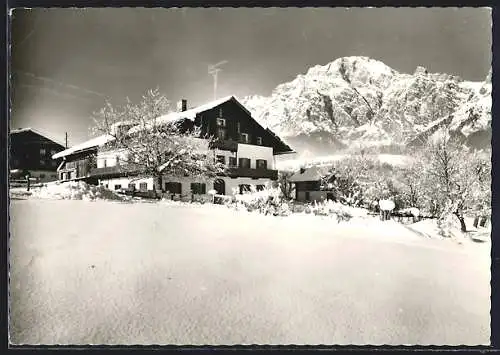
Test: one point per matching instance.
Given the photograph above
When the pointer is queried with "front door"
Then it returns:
(220, 187)
(308, 196)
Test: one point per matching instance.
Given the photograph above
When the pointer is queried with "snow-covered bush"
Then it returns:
(386, 205)
(335, 209)
(74, 190)
(268, 200)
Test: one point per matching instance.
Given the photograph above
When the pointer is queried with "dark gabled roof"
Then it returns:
(36, 132)
(189, 114)
(284, 148)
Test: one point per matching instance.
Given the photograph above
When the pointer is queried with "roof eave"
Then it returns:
(285, 152)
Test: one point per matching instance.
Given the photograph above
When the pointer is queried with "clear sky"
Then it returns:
(66, 61)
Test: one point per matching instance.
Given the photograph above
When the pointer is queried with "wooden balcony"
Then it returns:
(109, 171)
(252, 173)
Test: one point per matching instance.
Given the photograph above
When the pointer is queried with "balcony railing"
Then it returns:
(252, 173)
(109, 171)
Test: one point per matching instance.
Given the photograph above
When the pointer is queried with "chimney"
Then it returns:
(182, 105)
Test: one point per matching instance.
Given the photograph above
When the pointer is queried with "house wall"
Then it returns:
(234, 183)
(109, 158)
(125, 181)
(230, 183)
(226, 154)
(255, 152)
(313, 196)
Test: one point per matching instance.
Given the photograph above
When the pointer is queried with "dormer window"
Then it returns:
(221, 122)
(244, 137)
(259, 140)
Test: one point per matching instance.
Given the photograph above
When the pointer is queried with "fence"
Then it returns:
(34, 182)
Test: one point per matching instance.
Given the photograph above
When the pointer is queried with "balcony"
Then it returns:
(109, 171)
(252, 173)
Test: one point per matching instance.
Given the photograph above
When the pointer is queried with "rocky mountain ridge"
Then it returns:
(359, 101)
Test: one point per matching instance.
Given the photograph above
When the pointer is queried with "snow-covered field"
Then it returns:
(71, 190)
(109, 272)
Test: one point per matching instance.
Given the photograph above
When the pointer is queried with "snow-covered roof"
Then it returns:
(94, 142)
(36, 131)
(170, 117)
(188, 114)
(314, 173)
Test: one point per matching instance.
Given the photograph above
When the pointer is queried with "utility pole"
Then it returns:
(214, 70)
(66, 140)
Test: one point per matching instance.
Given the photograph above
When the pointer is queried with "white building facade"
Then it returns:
(246, 148)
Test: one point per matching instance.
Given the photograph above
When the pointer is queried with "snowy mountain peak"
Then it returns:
(360, 100)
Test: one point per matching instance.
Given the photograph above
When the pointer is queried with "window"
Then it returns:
(232, 161)
(131, 186)
(198, 188)
(259, 140)
(221, 159)
(261, 164)
(42, 176)
(244, 137)
(118, 187)
(53, 176)
(42, 151)
(173, 187)
(220, 111)
(244, 188)
(221, 122)
(238, 127)
(244, 163)
(221, 133)
(260, 187)
(42, 162)
(143, 186)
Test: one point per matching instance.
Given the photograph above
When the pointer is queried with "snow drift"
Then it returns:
(72, 190)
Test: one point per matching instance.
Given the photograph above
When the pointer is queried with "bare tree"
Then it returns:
(286, 187)
(457, 178)
(150, 142)
(350, 178)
